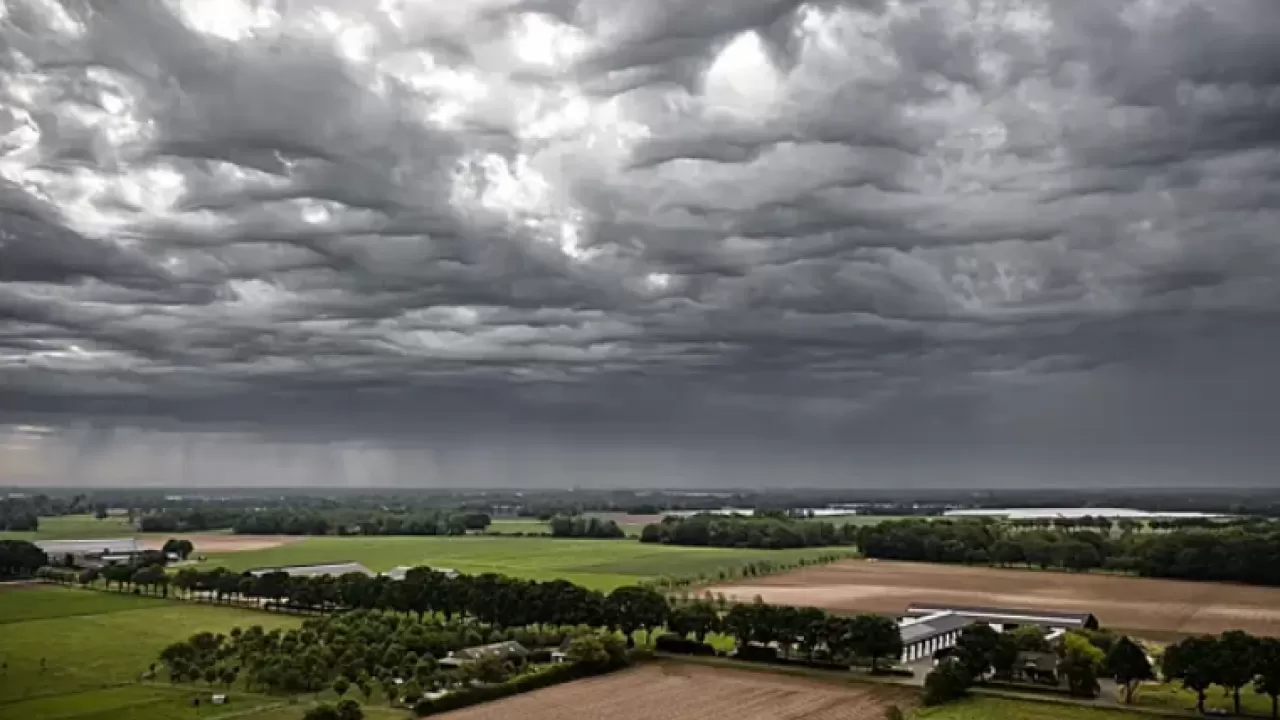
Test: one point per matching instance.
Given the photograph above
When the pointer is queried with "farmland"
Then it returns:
(1158, 609)
(598, 564)
(675, 691)
(991, 708)
(74, 527)
(80, 654)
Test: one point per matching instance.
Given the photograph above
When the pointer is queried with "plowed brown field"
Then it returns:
(1153, 608)
(672, 691)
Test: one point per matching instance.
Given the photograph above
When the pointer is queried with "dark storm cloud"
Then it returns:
(859, 240)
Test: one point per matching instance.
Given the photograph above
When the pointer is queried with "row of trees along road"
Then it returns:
(563, 526)
(811, 631)
(771, 532)
(1233, 553)
(1233, 660)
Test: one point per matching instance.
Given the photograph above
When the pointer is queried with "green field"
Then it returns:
(1159, 695)
(69, 653)
(510, 527)
(861, 520)
(75, 527)
(991, 708)
(41, 603)
(600, 564)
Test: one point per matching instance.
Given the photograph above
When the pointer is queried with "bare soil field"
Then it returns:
(206, 544)
(673, 691)
(1158, 609)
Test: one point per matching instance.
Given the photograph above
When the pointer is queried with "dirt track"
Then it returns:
(671, 691)
(206, 544)
(1155, 608)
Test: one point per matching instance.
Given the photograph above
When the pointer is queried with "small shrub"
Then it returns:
(682, 646)
(757, 653)
(946, 683)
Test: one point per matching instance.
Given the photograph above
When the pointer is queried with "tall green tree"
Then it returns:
(947, 682)
(975, 649)
(1268, 667)
(1194, 663)
(1236, 663)
(1128, 665)
(877, 637)
(19, 558)
(697, 618)
(1004, 655)
(1079, 661)
(633, 607)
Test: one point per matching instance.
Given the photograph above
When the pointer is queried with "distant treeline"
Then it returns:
(356, 522)
(22, 513)
(1233, 553)
(585, 527)
(746, 532)
(188, 519)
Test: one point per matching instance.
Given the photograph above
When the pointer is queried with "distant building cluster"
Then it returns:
(93, 553)
(337, 569)
(1074, 513)
(316, 570)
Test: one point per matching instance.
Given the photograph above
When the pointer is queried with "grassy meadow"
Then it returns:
(70, 654)
(1174, 697)
(599, 564)
(504, 526)
(75, 527)
(992, 708)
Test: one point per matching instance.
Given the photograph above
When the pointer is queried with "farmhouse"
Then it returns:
(928, 630)
(90, 553)
(333, 569)
(1008, 619)
(510, 650)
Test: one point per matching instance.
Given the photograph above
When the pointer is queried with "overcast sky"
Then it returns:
(663, 242)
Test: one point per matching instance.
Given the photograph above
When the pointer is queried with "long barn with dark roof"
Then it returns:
(1009, 618)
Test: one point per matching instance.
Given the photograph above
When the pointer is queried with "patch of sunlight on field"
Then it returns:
(601, 564)
(41, 602)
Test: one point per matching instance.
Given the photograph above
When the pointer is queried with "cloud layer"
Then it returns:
(982, 238)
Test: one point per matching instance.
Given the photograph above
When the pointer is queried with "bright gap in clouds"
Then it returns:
(742, 80)
(227, 19)
(541, 41)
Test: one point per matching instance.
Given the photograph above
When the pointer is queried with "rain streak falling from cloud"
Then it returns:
(664, 242)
